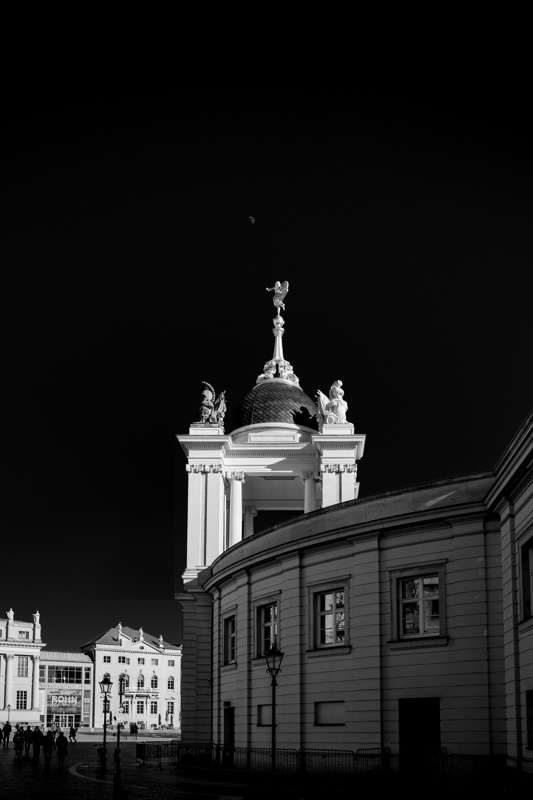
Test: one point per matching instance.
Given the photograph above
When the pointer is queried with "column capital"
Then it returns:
(250, 510)
(204, 468)
(236, 476)
(37, 657)
(10, 656)
(308, 476)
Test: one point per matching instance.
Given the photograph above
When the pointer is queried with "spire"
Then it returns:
(277, 367)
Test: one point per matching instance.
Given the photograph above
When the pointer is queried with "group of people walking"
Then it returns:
(26, 738)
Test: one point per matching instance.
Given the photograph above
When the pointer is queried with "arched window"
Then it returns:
(153, 682)
(171, 683)
(126, 680)
(140, 682)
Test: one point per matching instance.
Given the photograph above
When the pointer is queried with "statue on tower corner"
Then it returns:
(212, 408)
(332, 410)
(280, 291)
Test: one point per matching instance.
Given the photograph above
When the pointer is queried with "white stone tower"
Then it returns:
(282, 452)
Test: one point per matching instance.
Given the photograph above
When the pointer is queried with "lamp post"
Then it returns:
(116, 770)
(105, 688)
(273, 658)
(8, 712)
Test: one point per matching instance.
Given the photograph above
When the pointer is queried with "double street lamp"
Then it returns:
(273, 658)
(116, 771)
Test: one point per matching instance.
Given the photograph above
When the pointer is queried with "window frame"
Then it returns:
(526, 578)
(170, 680)
(261, 623)
(229, 639)
(23, 666)
(21, 700)
(316, 590)
(417, 571)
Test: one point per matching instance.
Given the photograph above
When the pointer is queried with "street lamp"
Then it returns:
(105, 688)
(273, 658)
(116, 770)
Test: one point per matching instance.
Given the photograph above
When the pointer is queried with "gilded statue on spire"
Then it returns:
(332, 410)
(280, 292)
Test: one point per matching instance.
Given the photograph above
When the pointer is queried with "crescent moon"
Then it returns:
(252, 220)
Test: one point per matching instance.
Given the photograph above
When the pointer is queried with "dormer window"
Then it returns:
(24, 634)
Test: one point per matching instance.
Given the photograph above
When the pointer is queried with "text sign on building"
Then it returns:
(69, 701)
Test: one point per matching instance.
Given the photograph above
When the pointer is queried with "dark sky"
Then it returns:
(131, 272)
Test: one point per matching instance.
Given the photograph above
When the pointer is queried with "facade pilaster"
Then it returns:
(235, 529)
(35, 683)
(10, 663)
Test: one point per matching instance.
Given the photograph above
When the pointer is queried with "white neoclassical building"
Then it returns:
(20, 654)
(405, 618)
(152, 668)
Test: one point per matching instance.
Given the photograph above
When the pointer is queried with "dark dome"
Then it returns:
(275, 400)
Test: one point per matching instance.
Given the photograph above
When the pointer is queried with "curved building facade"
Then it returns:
(405, 619)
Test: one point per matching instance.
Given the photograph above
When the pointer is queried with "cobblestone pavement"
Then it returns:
(79, 780)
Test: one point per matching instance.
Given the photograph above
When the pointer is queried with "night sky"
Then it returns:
(131, 272)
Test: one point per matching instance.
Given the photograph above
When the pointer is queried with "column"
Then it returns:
(35, 683)
(310, 491)
(330, 484)
(235, 515)
(249, 513)
(9, 679)
(348, 478)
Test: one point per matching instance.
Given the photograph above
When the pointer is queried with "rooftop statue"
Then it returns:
(332, 410)
(280, 291)
(10, 615)
(212, 408)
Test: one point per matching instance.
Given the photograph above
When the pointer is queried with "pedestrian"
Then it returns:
(27, 739)
(62, 749)
(36, 740)
(49, 746)
(18, 741)
(1, 734)
(54, 729)
(6, 731)
(72, 734)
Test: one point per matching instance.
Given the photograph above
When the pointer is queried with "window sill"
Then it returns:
(228, 667)
(525, 625)
(333, 650)
(423, 641)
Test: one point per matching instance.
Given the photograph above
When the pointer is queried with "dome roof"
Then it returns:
(275, 400)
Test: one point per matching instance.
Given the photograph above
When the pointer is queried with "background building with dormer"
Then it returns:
(152, 668)
(405, 618)
(20, 654)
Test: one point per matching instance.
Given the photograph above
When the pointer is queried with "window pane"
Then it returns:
(431, 586)
(410, 620)
(326, 629)
(339, 624)
(410, 589)
(431, 616)
(326, 601)
(339, 599)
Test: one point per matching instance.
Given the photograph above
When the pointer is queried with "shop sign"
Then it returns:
(65, 701)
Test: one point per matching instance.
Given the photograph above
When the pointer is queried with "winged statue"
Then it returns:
(212, 408)
(332, 409)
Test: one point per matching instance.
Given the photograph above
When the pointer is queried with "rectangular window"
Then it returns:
(126, 707)
(267, 627)
(140, 661)
(229, 640)
(123, 660)
(419, 606)
(22, 699)
(22, 667)
(42, 673)
(170, 662)
(418, 603)
(329, 713)
(526, 554)
(1, 633)
(170, 706)
(330, 617)
(107, 659)
(264, 715)
(87, 673)
(153, 707)
(24, 634)
(155, 661)
(140, 706)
